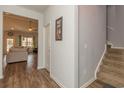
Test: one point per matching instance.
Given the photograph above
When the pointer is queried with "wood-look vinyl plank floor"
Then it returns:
(26, 75)
(96, 84)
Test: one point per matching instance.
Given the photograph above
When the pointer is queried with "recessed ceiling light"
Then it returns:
(30, 29)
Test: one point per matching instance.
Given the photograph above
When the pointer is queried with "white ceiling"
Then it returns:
(37, 8)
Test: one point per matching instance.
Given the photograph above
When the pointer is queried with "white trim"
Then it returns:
(117, 47)
(76, 49)
(100, 62)
(40, 67)
(60, 84)
(26, 13)
(1, 77)
(112, 46)
(1, 46)
(97, 69)
(88, 83)
(109, 43)
(49, 23)
(44, 61)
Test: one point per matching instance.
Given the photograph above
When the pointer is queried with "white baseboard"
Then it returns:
(117, 47)
(61, 85)
(40, 68)
(100, 62)
(109, 43)
(97, 69)
(88, 83)
(113, 46)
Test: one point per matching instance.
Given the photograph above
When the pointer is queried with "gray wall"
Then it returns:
(92, 39)
(116, 23)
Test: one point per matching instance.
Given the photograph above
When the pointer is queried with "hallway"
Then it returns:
(25, 74)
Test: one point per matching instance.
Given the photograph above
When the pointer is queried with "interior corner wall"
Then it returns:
(115, 22)
(17, 10)
(111, 13)
(92, 40)
(62, 52)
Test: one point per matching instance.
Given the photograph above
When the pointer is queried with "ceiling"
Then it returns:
(19, 23)
(37, 8)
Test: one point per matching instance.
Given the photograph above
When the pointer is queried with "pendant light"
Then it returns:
(30, 28)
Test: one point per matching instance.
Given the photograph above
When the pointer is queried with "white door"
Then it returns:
(47, 47)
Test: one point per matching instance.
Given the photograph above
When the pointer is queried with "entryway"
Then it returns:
(20, 43)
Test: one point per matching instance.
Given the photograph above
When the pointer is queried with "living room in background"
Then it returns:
(9, 44)
(20, 40)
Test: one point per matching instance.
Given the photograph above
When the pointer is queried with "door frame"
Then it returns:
(40, 27)
(17, 10)
(50, 44)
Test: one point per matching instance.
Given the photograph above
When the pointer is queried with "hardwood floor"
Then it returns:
(25, 75)
(96, 84)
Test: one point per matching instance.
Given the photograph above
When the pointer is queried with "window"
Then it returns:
(9, 44)
(27, 41)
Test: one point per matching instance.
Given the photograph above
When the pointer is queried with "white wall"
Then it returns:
(92, 39)
(63, 52)
(47, 47)
(28, 13)
(116, 21)
(111, 13)
(1, 46)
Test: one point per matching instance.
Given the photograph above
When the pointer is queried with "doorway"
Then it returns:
(20, 42)
(47, 47)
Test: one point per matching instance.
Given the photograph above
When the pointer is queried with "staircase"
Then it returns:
(112, 69)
